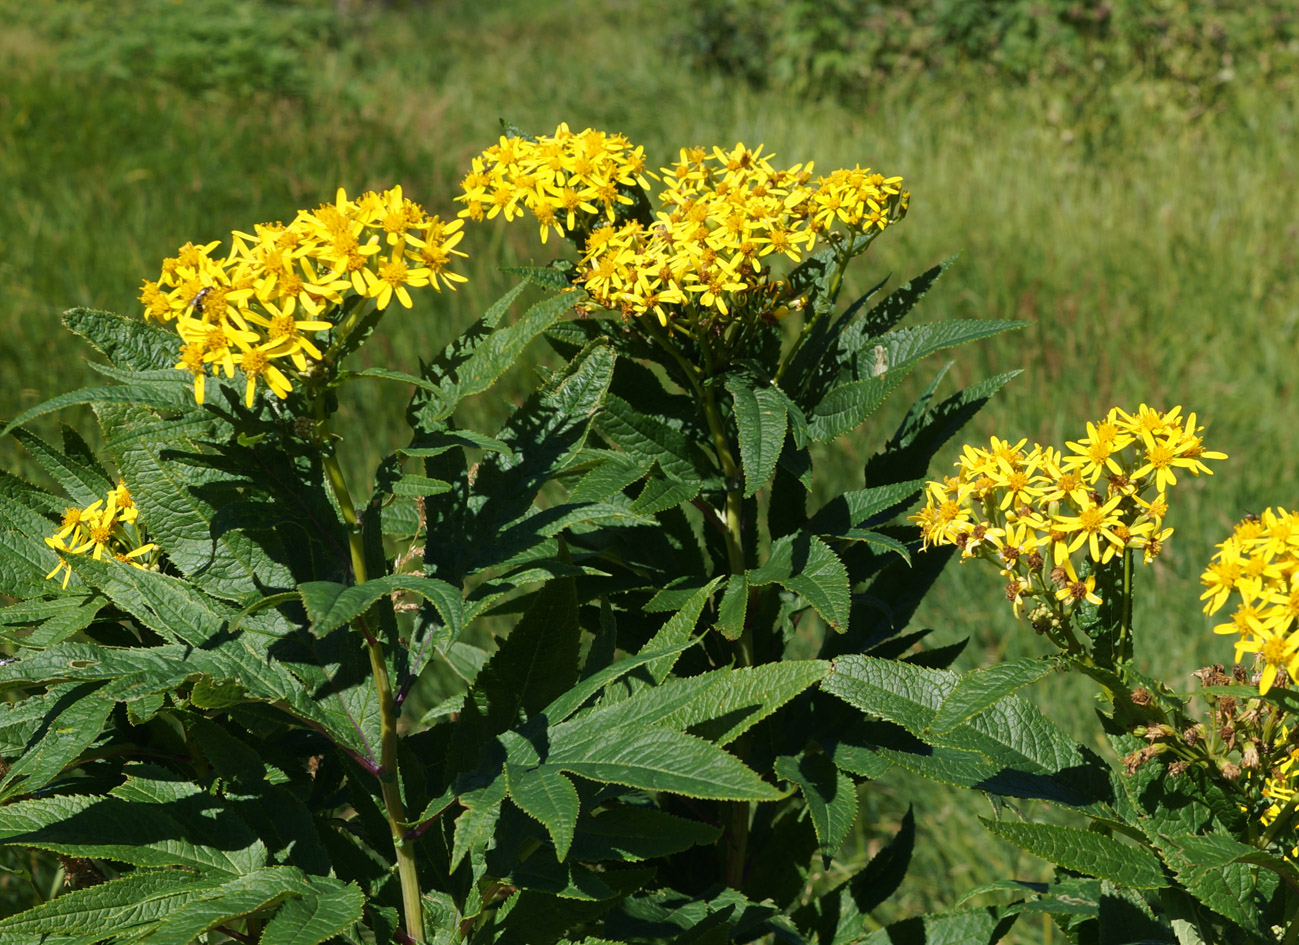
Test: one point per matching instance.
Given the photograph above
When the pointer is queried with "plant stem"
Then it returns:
(412, 902)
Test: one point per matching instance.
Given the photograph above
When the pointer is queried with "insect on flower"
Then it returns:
(196, 303)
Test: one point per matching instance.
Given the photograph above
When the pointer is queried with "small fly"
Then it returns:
(196, 303)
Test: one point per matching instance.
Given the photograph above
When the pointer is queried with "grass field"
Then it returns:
(1154, 253)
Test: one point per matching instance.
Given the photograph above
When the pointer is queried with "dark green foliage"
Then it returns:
(218, 733)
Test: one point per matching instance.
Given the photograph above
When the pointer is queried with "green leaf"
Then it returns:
(71, 724)
(1009, 748)
(236, 897)
(863, 507)
(548, 277)
(143, 822)
(659, 495)
(324, 908)
(544, 794)
(830, 795)
(740, 698)
(1219, 872)
(923, 432)
(980, 689)
(538, 918)
(1085, 851)
(895, 306)
(536, 664)
(82, 481)
(179, 502)
(130, 343)
(971, 927)
(476, 825)
(140, 394)
(847, 406)
(473, 362)
(658, 759)
(910, 344)
(572, 700)
(734, 608)
(761, 416)
(126, 906)
(42, 623)
(807, 566)
(419, 486)
(677, 630)
(25, 559)
(607, 479)
(632, 834)
(645, 438)
(500, 522)
(331, 605)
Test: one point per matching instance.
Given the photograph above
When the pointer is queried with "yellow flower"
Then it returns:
(1093, 525)
(1075, 590)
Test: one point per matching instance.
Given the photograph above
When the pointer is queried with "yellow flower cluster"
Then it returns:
(106, 526)
(564, 180)
(705, 254)
(259, 307)
(1029, 511)
(1259, 562)
(1279, 787)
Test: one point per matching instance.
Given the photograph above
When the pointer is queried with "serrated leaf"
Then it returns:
(863, 507)
(330, 605)
(648, 439)
(473, 362)
(324, 908)
(572, 700)
(1219, 872)
(536, 664)
(734, 608)
(547, 277)
(761, 417)
(138, 394)
(658, 759)
(83, 482)
(179, 503)
(177, 826)
(847, 406)
(419, 486)
(477, 823)
(980, 689)
(677, 630)
(1010, 748)
(922, 433)
(741, 698)
(235, 897)
(544, 794)
(830, 796)
(910, 344)
(807, 566)
(72, 723)
(127, 342)
(971, 927)
(607, 479)
(1084, 851)
(127, 905)
(633, 834)
(659, 495)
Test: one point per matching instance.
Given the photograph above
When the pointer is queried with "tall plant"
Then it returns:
(218, 640)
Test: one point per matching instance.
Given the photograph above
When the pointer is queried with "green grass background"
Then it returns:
(1153, 251)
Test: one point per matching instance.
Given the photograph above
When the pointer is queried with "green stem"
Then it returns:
(836, 283)
(412, 901)
(736, 813)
